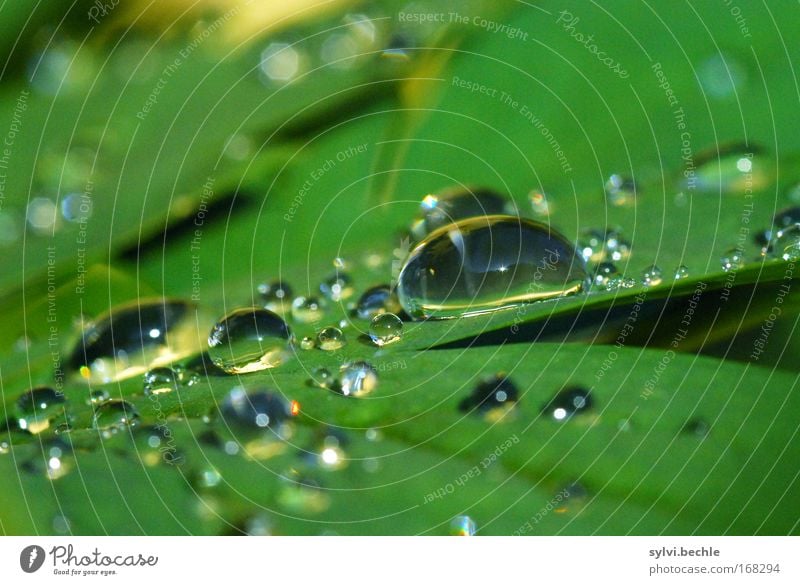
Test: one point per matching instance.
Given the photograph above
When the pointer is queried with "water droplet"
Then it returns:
(787, 217)
(307, 310)
(732, 169)
(39, 407)
(61, 524)
(337, 287)
(652, 276)
(332, 457)
(385, 328)
(620, 190)
(249, 340)
(463, 526)
(115, 416)
(280, 62)
(488, 263)
(540, 205)
(617, 248)
(492, 397)
(131, 338)
(160, 381)
(42, 215)
(254, 411)
(569, 402)
(331, 339)
(721, 75)
(732, 260)
(457, 204)
(681, 272)
(322, 377)
(786, 244)
(76, 207)
(358, 379)
(697, 427)
(259, 525)
(604, 272)
(377, 300)
(208, 478)
(307, 343)
(276, 296)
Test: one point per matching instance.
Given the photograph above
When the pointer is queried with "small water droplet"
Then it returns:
(492, 397)
(620, 282)
(488, 263)
(307, 310)
(721, 75)
(307, 343)
(786, 244)
(463, 526)
(540, 205)
(249, 340)
(732, 169)
(358, 379)
(377, 300)
(160, 381)
(208, 478)
(681, 272)
(76, 207)
(337, 287)
(322, 377)
(115, 416)
(569, 402)
(620, 190)
(331, 339)
(697, 427)
(385, 329)
(457, 204)
(133, 337)
(787, 217)
(617, 248)
(39, 407)
(254, 411)
(652, 276)
(276, 296)
(591, 245)
(332, 457)
(42, 215)
(280, 62)
(604, 272)
(732, 260)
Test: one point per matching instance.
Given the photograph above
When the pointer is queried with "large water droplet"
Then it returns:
(133, 337)
(39, 407)
(249, 340)
(114, 416)
(385, 329)
(488, 263)
(569, 402)
(358, 379)
(455, 205)
(491, 397)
